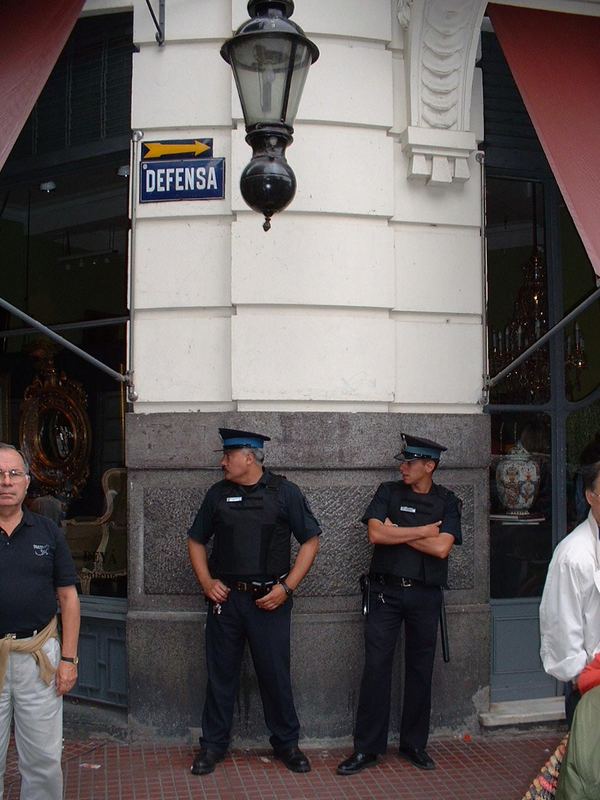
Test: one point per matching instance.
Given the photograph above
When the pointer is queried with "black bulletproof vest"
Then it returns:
(409, 509)
(250, 537)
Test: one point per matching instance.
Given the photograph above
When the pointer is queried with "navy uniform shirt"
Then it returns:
(408, 508)
(293, 508)
(34, 561)
(379, 508)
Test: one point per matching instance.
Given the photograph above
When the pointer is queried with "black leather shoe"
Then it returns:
(356, 762)
(293, 758)
(205, 762)
(419, 758)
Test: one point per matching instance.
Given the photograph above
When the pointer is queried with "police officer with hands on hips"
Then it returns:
(413, 524)
(250, 516)
(36, 570)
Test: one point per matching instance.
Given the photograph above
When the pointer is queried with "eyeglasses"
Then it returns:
(13, 474)
(594, 493)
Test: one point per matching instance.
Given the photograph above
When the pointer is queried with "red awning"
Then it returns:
(32, 36)
(555, 61)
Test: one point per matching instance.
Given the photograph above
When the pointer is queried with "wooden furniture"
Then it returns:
(99, 544)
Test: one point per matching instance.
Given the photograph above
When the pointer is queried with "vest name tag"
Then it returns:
(234, 499)
(409, 509)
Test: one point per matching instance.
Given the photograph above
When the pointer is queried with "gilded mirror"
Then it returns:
(55, 429)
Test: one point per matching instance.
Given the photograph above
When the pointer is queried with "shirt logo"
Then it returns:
(234, 499)
(409, 509)
(41, 549)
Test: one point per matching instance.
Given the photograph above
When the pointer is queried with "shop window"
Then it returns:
(517, 281)
(521, 504)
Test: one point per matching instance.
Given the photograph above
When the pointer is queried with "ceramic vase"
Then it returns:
(517, 481)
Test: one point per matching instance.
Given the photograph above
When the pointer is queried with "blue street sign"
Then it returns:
(185, 179)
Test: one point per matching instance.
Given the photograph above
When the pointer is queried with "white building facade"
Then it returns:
(359, 315)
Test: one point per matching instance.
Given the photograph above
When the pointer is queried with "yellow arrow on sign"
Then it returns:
(158, 149)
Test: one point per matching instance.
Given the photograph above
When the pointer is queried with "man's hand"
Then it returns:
(276, 597)
(66, 677)
(427, 531)
(215, 590)
(212, 587)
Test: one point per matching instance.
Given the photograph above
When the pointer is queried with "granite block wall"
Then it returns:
(338, 460)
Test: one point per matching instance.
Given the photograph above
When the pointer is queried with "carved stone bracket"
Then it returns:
(403, 11)
(442, 39)
(440, 157)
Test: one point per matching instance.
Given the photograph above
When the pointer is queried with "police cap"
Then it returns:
(414, 447)
(234, 439)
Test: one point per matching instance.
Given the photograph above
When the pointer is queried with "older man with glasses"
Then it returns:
(413, 524)
(36, 570)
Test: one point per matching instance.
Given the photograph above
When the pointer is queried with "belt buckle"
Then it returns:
(10, 636)
(406, 583)
(243, 586)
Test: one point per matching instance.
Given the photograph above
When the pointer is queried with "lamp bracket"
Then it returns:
(159, 23)
(269, 138)
(257, 7)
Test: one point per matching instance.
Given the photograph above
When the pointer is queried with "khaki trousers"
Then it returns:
(37, 713)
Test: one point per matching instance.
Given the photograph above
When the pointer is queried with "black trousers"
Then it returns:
(418, 607)
(572, 698)
(268, 635)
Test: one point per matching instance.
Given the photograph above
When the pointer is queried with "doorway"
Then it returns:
(544, 412)
(64, 228)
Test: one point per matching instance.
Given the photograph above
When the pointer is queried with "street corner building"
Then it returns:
(422, 225)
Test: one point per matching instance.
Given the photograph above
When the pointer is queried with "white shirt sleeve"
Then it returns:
(562, 634)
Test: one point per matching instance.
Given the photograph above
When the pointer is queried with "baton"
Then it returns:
(365, 585)
(444, 630)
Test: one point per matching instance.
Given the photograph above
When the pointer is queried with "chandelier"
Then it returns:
(530, 382)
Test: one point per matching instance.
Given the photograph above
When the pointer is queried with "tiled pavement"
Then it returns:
(497, 767)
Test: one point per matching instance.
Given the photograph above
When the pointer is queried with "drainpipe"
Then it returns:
(136, 138)
(485, 392)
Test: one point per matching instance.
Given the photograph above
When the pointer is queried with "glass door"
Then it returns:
(521, 478)
(543, 413)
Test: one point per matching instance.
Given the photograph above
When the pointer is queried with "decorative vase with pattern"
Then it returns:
(517, 481)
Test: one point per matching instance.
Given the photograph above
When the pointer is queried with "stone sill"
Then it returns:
(524, 712)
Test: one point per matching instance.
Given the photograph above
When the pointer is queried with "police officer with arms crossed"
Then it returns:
(413, 524)
(250, 515)
(36, 568)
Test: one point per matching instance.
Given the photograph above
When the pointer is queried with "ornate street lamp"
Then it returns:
(270, 57)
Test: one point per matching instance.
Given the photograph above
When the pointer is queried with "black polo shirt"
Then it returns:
(34, 561)
(293, 508)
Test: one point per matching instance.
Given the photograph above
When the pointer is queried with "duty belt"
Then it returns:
(259, 588)
(393, 580)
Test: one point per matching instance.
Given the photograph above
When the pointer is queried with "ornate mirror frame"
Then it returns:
(55, 431)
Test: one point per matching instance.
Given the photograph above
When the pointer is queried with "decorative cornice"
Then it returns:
(442, 46)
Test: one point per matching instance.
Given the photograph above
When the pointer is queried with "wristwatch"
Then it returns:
(74, 661)
(287, 589)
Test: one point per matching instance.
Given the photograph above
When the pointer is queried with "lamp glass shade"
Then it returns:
(270, 71)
